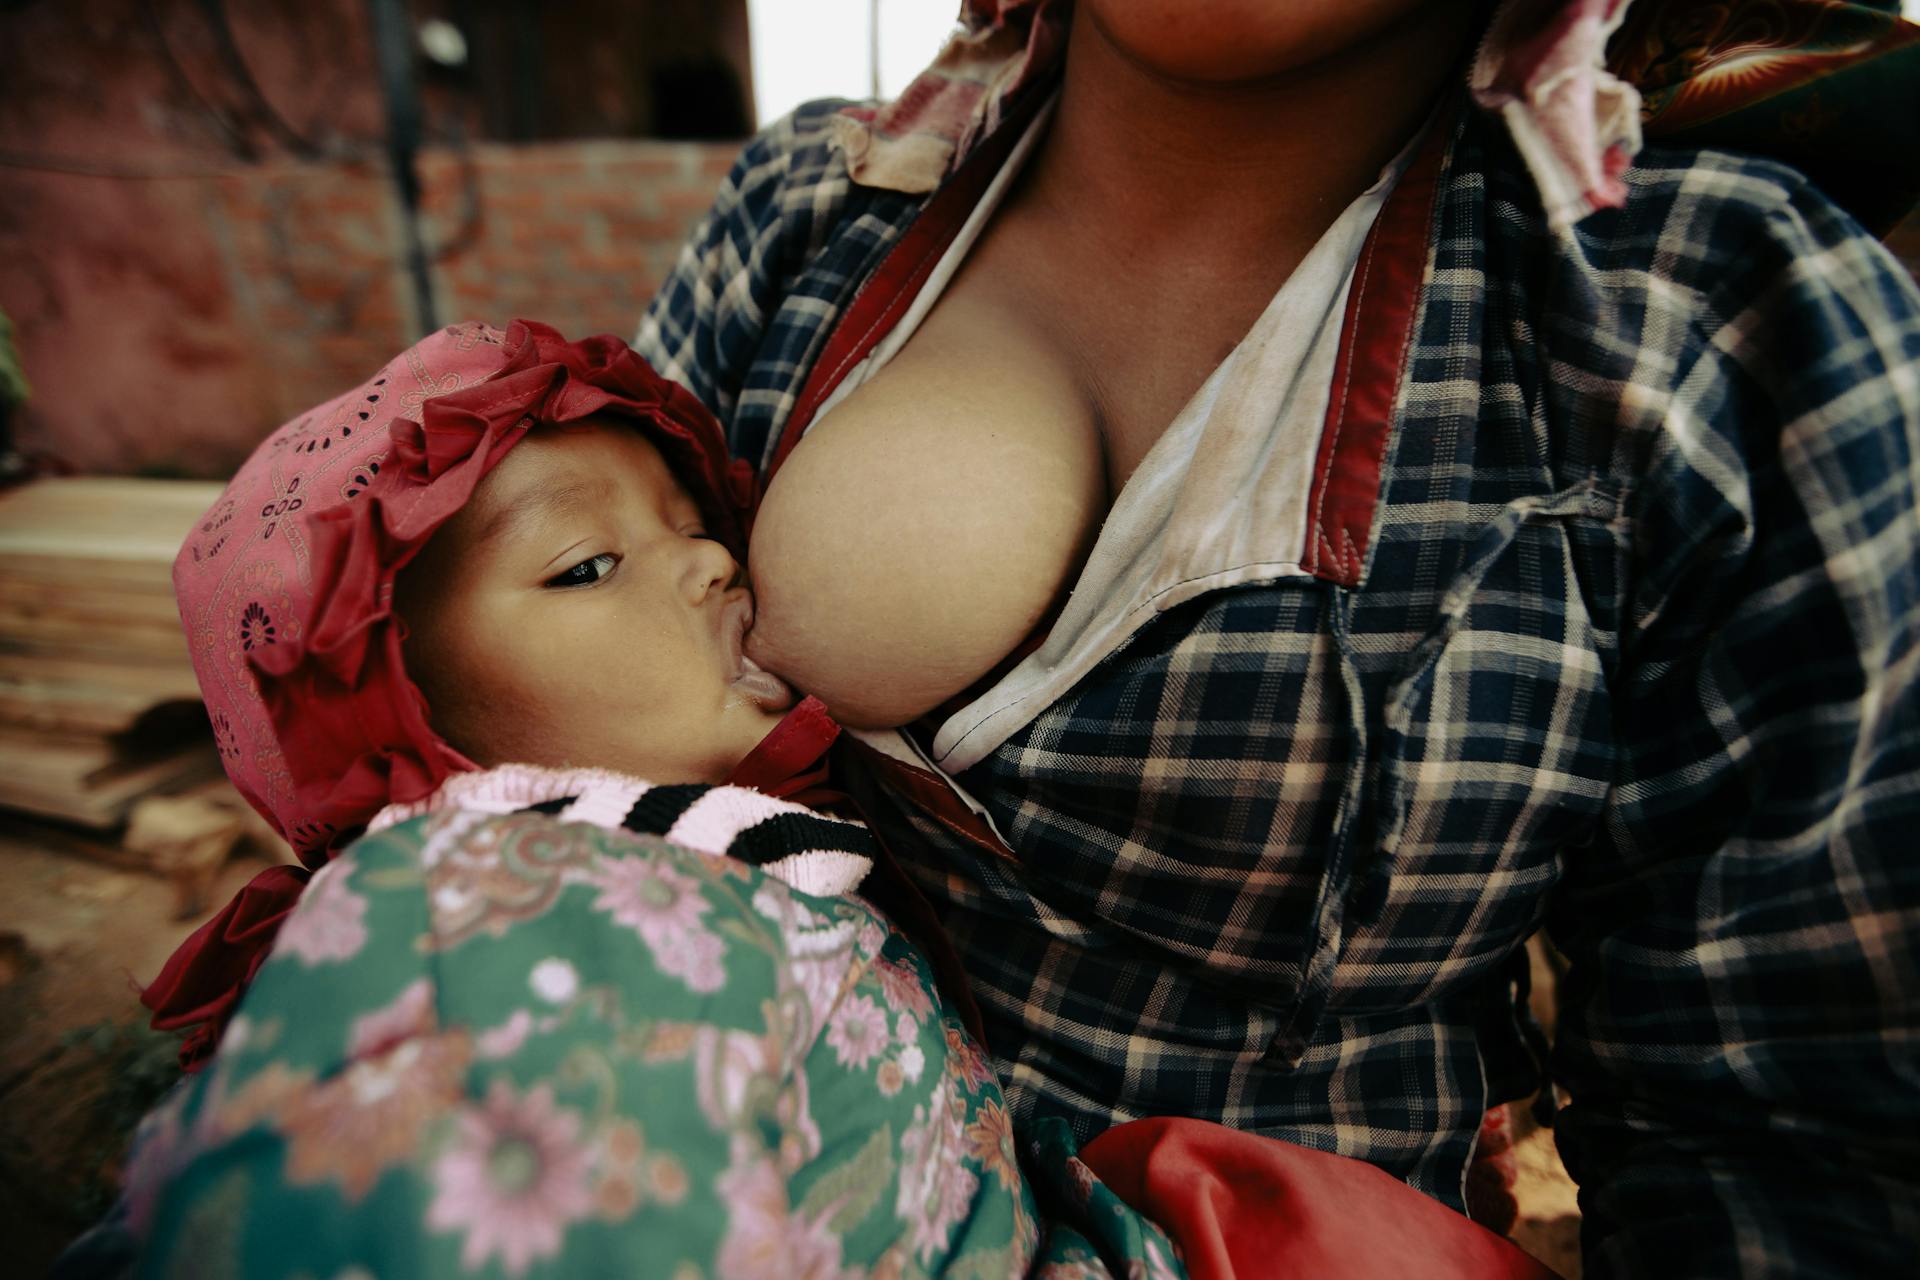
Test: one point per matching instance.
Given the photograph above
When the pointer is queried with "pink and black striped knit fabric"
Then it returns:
(807, 850)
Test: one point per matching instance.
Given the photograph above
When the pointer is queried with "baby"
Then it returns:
(502, 574)
(470, 635)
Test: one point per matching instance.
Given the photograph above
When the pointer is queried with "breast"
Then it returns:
(920, 530)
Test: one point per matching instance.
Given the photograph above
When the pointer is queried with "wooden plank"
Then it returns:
(104, 801)
(27, 599)
(91, 645)
(55, 762)
(95, 642)
(147, 577)
(102, 518)
(159, 679)
(84, 709)
(99, 532)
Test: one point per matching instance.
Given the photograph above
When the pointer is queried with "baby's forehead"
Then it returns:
(553, 470)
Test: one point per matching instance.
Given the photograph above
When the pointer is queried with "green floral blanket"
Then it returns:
(503, 1045)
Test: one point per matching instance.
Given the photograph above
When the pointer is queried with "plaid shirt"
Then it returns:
(1630, 649)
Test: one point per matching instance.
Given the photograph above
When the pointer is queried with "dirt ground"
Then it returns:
(77, 1064)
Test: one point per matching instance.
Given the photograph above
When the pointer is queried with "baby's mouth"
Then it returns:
(758, 685)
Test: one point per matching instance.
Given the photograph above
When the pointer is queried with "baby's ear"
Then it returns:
(416, 612)
(424, 580)
(435, 690)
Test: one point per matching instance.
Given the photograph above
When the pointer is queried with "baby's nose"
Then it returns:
(711, 568)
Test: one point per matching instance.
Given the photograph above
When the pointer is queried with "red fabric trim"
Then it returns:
(791, 762)
(1241, 1205)
(889, 292)
(205, 977)
(799, 741)
(933, 795)
(1368, 369)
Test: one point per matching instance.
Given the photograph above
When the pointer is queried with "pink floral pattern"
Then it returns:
(765, 1237)
(733, 1072)
(409, 1014)
(504, 1040)
(514, 1179)
(371, 1117)
(904, 990)
(989, 1142)
(508, 1072)
(483, 877)
(666, 908)
(935, 1185)
(858, 1033)
(965, 1059)
(329, 925)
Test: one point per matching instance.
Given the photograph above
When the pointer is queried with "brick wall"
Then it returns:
(578, 235)
(168, 325)
(181, 280)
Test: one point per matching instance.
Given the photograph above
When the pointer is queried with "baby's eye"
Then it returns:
(586, 573)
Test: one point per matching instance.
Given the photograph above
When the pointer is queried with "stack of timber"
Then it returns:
(98, 704)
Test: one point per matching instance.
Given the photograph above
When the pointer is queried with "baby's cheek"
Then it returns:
(496, 692)
(488, 722)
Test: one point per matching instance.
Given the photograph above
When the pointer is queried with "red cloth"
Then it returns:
(791, 762)
(205, 976)
(1240, 1205)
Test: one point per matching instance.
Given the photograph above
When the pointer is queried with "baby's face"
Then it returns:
(575, 613)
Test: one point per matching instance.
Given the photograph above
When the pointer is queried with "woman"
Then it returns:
(1313, 552)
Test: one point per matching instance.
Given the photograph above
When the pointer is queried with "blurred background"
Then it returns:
(215, 214)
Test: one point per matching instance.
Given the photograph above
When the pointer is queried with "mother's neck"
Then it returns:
(1147, 162)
